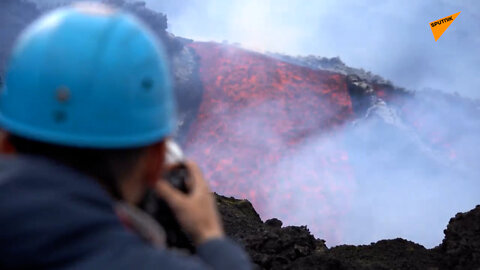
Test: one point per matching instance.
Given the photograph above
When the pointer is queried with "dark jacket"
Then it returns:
(52, 217)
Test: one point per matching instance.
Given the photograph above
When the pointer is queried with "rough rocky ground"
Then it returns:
(272, 246)
(461, 245)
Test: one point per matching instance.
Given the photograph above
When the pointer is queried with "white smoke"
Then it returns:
(405, 184)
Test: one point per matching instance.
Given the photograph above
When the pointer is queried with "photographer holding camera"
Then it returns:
(86, 112)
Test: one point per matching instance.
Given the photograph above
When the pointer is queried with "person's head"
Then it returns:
(89, 86)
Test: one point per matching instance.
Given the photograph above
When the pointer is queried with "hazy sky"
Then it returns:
(390, 38)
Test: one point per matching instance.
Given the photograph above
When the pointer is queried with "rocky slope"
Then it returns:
(273, 246)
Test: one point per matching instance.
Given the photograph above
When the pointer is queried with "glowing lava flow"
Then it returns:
(254, 129)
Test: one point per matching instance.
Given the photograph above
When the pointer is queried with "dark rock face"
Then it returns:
(386, 254)
(269, 245)
(274, 247)
(461, 245)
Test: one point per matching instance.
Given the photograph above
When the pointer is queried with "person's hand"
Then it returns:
(196, 211)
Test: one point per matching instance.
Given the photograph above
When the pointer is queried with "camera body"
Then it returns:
(177, 175)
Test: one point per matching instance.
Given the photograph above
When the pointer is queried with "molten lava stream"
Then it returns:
(258, 135)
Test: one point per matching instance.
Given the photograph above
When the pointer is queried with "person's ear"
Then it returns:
(5, 146)
(155, 163)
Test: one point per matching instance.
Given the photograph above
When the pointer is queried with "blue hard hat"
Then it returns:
(88, 76)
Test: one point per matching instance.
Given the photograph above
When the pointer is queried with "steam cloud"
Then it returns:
(413, 169)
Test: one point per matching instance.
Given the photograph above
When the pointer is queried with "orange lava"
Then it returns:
(256, 116)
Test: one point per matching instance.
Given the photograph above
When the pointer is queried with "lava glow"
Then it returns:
(255, 115)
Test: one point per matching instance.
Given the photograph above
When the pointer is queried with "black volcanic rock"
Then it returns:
(461, 245)
(386, 254)
(274, 247)
(270, 247)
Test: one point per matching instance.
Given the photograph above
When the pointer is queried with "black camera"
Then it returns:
(177, 175)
